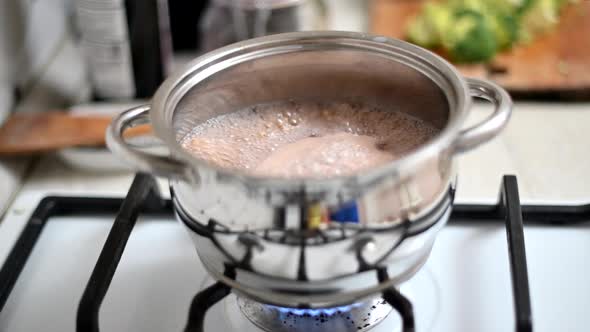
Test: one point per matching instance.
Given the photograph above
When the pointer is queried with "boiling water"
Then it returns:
(307, 139)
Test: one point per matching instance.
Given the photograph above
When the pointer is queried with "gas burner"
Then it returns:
(422, 290)
(354, 317)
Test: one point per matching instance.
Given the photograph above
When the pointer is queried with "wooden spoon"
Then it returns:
(27, 133)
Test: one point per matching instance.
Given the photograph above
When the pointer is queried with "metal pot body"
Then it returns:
(309, 242)
(337, 268)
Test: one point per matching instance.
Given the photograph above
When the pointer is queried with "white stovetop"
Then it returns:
(546, 146)
(464, 287)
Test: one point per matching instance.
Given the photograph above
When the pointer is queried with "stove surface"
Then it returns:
(465, 285)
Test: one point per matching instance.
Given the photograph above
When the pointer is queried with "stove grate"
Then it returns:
(144, 198)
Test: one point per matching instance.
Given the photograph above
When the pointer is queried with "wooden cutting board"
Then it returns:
(27, 133)
(556, 62)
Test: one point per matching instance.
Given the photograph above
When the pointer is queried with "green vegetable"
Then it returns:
(474, 30)
(428, 28)
(470, 38)
(475, 5)
(505, 28)
(524, 6)
(421, 32)
(488, 6)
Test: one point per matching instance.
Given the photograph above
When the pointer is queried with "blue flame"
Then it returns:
(317, 312)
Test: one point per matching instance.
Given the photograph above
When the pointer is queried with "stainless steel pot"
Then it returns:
(266, 229)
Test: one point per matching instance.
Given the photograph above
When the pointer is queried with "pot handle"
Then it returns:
(486, 130)
(143, 161)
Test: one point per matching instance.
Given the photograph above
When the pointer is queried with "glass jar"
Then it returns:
(229, 21)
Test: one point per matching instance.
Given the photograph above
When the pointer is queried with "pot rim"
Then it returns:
(429, 64)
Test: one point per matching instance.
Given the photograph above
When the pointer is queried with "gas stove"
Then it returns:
(73, 269)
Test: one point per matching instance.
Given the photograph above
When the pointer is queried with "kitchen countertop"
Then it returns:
(546, 145)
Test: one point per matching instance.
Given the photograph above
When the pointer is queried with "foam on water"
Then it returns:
(307, 139)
